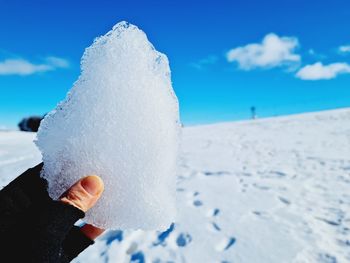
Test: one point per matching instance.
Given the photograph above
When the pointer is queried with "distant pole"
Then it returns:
(253, 111)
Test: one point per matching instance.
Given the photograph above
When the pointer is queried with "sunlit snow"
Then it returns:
(268, 191)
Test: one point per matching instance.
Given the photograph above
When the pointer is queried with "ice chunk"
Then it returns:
(119, 121)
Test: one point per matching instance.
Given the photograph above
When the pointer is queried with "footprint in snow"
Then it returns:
(284, 200)
(219, 173)
(137, 257)
(192, 194)
(336, 222)
(162, 236)
(213, 212)
(183, 239)
(261, 187)
(213, 227)
(261, 214)
(225, 244)
(197, 203)
(275, 174)
(193, 199)
(327, 258)
(113, 235)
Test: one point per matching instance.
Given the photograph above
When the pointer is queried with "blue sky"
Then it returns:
(283, 57)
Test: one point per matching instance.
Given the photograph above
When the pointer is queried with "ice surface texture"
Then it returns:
(119, 121)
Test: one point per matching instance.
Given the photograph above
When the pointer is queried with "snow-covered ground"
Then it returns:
(269, 190)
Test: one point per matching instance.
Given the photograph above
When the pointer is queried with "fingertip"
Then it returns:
(84, 193)
(91, 231)
(93, 184)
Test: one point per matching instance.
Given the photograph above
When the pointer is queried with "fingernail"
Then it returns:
(92, 184)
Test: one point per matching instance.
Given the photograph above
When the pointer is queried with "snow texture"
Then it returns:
(119, 121)
(271, 190)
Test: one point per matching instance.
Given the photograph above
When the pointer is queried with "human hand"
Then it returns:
(35, 228)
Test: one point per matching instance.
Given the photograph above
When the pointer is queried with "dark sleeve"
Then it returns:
(33, 227)
(16, 199)
(75, 243)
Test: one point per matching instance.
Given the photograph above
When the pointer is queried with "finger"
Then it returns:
(91, 231)
(84, 193)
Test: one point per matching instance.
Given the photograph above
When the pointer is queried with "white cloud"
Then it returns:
(344, 49)
(315, 54)
(311, 51)
(204, 62)
(19, 66)
(57, 62)
(273, 51)
(319, 71)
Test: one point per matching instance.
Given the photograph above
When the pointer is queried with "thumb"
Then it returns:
(84, 193)
(51, 226)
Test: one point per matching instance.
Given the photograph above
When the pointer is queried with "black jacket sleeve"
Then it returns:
(35, 228)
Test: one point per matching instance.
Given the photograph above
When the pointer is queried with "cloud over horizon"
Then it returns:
(344, 49)
(23, 67)
(319, 71)
(273, 51)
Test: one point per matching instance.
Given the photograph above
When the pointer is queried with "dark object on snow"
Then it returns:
(33, 227)
(253, 111)
(30, 124)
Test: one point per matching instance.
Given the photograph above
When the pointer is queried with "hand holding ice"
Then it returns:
(119, 121)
